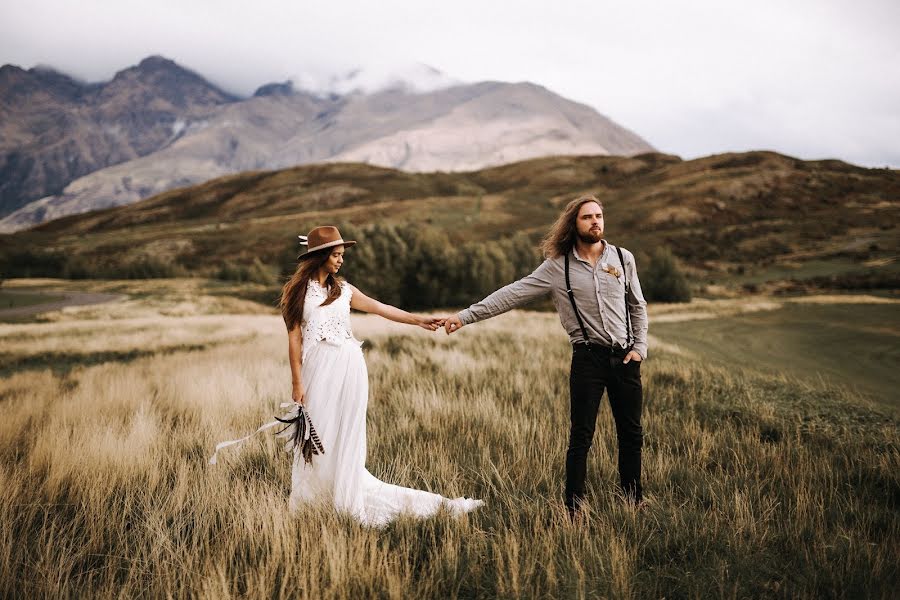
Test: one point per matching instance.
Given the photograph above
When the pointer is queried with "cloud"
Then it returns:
(809, 78)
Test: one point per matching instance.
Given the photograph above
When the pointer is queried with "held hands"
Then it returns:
(430, 323)
(452, 324)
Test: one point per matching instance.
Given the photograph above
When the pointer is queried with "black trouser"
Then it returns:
(593, 370)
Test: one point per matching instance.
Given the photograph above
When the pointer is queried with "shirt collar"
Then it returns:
(602, 254)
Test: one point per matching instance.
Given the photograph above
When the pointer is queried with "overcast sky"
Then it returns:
(809, 78)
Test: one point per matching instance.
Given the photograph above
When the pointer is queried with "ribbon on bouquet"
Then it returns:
(299, 432)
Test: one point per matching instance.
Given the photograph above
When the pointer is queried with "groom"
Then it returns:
(596, 291)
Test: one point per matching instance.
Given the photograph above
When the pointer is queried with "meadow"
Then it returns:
(760, 484)
(836, 338)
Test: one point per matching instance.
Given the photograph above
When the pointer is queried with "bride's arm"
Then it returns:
(360, 301)
(295, 352)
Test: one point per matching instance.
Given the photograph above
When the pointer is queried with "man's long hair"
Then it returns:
(561, 237)
(293, 294)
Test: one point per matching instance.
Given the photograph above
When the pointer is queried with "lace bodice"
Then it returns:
(329, 323)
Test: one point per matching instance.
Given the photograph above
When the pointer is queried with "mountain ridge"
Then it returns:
(112, 154)
(54, 129)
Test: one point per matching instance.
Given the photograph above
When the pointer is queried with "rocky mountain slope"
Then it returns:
(54, 129)
(208, 134)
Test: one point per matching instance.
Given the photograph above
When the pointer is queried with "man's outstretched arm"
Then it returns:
(506, 298)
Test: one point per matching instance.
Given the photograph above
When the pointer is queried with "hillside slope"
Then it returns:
(728, 215)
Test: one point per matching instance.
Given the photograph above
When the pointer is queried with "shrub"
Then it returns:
(32, 263)
(145, 267)
(256, 272)
(49, 263)
(662, 281)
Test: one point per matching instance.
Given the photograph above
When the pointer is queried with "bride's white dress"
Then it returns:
(336, 390)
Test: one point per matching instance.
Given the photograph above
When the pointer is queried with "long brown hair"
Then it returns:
(293, 294)
(561, 237)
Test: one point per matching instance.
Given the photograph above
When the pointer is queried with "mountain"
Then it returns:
(54, 129)
(745, 217)
(425, 123)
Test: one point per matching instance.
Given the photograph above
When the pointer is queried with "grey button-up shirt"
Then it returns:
(600, 297)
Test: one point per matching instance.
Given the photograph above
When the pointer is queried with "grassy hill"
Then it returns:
(742, 219)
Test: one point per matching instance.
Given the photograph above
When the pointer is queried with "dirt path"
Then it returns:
(69, 299)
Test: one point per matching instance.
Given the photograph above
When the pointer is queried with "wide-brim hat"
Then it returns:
(320, 238)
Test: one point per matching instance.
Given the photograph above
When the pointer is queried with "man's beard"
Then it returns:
(591, 237)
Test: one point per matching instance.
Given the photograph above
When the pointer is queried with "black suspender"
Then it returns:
(569, 291)
(571, 294)
(628, 341)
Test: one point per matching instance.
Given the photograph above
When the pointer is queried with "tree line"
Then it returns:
(413, 266)
(420, 268)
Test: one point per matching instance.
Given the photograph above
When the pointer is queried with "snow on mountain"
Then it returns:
(413, 78)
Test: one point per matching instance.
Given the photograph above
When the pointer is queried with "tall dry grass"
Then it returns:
(759, 487)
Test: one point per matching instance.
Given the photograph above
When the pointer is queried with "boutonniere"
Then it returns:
(612, 270)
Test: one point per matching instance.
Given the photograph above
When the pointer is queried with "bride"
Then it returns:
(330, 382)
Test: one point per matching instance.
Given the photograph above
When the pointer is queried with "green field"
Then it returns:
(856, 346)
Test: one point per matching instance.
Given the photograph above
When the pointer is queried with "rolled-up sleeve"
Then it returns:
(511, 296)
(637, 307)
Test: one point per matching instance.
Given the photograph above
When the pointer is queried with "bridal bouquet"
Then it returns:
(300, 433)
